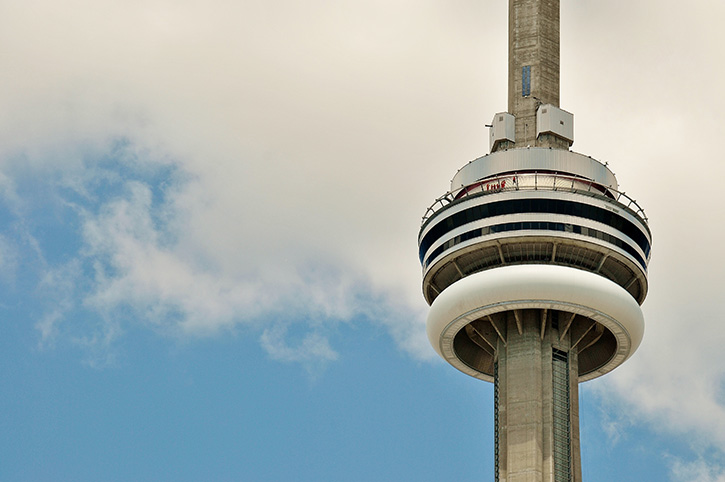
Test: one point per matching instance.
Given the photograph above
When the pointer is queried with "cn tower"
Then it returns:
(535, 264)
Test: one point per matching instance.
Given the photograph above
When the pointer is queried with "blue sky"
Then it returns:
(208, 221)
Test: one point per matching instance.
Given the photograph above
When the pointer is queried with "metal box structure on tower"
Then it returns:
(503, 128)
(552, 120)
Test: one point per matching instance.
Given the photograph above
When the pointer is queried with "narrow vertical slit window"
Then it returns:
(495, 420)
(526, 81)
(562, 416)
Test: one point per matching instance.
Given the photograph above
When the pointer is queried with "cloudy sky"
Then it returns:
(208, 221)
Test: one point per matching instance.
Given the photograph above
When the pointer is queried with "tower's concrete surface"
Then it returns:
(533, 64)
(534, 442)
(535, 264)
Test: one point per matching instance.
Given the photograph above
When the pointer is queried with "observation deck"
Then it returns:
(537, 207)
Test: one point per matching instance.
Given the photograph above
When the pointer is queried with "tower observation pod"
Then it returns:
(535, 264)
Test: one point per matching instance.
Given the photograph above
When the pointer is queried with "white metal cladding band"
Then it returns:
(535, 158)
(535, 287)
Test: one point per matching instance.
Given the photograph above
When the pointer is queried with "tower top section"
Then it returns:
(533, 55)
(533, 80)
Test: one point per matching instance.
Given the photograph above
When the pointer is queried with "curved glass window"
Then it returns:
(536, 225)
(547, 206)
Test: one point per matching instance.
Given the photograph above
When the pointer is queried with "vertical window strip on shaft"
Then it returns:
(561, 416)
(526, 81)
(495, 420)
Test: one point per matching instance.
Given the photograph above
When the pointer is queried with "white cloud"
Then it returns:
(293, 141)
(58, 286)
(182, 286)
(676, 381)
(697, 471)
(8, 259)
(312, 348)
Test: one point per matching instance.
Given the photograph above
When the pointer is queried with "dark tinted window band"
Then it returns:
(549, 206)
(538, 225)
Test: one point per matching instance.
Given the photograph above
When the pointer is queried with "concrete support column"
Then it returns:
(528, 437)
(522, 379)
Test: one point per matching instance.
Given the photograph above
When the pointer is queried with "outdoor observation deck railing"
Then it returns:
(535, 181)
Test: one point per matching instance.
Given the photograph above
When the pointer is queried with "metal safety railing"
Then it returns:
(535, 181)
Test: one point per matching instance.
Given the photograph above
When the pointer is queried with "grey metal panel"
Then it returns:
(534, 158)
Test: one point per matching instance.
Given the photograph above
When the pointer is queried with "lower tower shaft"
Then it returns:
(537, 403)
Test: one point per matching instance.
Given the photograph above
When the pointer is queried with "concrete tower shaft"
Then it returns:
(536, 401)
(533, 68)
(533, 43)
